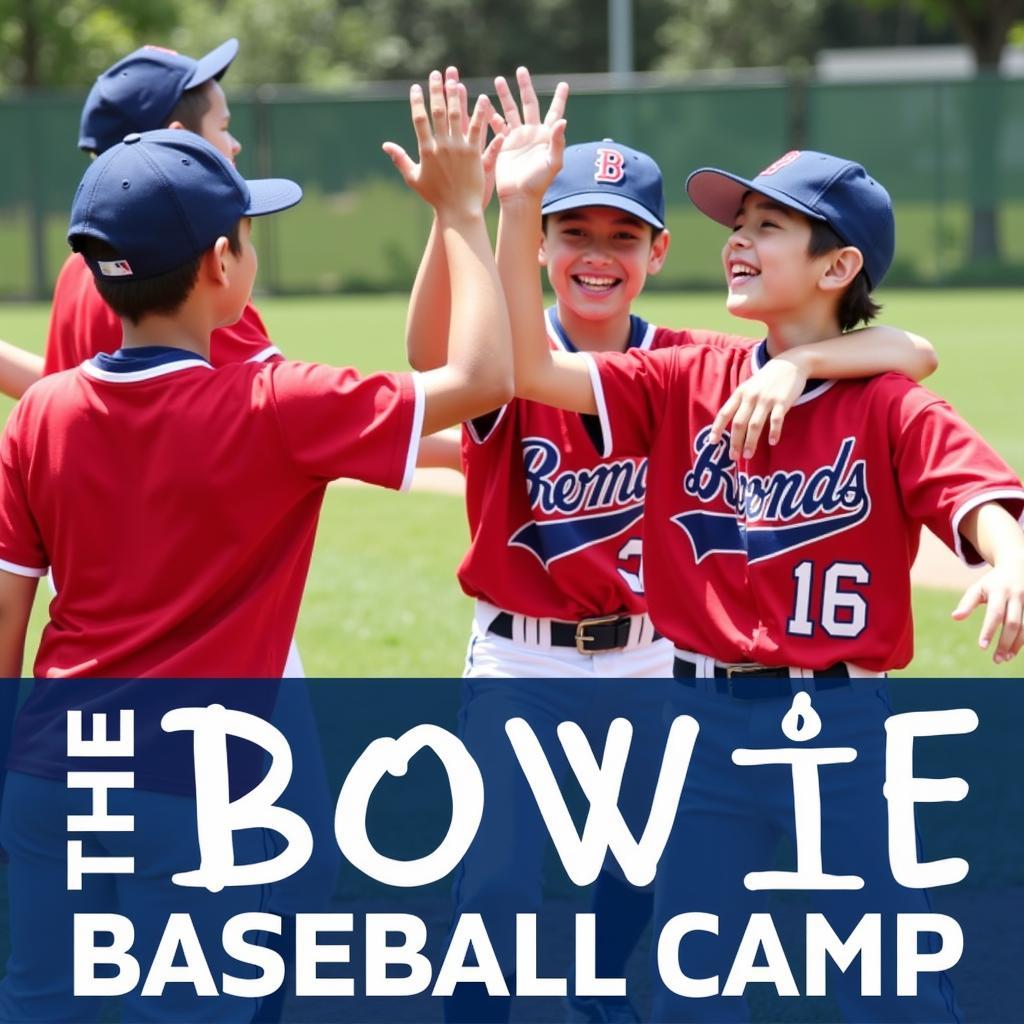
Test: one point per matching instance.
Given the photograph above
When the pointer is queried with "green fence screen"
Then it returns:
(951, 154)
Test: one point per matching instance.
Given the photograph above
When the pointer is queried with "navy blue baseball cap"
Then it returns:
(607, 173)
(139, 92)
(822, 187)
(161, 198)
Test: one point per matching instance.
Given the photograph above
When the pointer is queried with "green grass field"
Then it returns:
(382, 598)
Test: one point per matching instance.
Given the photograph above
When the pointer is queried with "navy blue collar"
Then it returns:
(143, 357)
(812, 388)
(638, 330)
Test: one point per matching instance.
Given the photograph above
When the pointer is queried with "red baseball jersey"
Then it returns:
(177, 503)
(555, 527)
(800, 555)
(82, 324)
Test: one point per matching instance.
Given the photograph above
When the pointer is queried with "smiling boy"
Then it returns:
(784, 568)
(556, 560)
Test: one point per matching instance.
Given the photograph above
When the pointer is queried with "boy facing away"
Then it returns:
(206, 483)
(784, 568)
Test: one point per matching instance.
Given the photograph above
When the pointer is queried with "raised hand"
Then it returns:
(489, 153)
(451, 170)
(532, 151)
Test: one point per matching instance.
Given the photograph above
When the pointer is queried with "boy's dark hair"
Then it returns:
(192, 108)
(654, 231)
(132, 300)
(856, 304)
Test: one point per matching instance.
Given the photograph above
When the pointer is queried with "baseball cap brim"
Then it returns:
(213, 65)
(574, 202)
(719, 195)
(268, 195)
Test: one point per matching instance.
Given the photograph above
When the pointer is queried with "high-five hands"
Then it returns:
(532, 151)
(453, 158)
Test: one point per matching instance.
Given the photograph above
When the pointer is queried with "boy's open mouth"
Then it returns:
(598, 284)
(740, 273)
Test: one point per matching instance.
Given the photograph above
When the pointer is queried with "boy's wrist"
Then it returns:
(458, 216)
(523, 202)
(803, 358)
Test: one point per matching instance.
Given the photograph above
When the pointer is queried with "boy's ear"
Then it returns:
(659, 250)
(542, 252)
(843, 267)
(215, 261)
(177, 126)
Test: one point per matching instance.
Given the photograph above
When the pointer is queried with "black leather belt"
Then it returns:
(588, 636)
(761, 682)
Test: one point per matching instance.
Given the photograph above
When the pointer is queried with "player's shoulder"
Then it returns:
(46, 401)
(895, 389)
(667, 337)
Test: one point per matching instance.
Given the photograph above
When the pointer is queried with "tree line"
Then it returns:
(329, 43)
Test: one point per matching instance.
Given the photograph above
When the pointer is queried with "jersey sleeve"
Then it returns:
(630, 390)
(945, 468)
(665, 337)
(21, 547)
(336, 424)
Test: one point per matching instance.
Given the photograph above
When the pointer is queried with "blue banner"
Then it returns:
(545, 850)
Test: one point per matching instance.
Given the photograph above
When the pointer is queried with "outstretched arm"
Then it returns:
(426, 325)
(19, 369)
(442, 450)
(16, 596)
(530, 157)
(997, 537)
(765, 398)
(478, 375)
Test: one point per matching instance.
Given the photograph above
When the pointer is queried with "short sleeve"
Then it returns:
(945, 468)
(630, 390)
(336, 424)
(21, 547)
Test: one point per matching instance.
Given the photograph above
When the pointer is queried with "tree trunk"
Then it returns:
(985, 28)
(29, 45)
(983, 136)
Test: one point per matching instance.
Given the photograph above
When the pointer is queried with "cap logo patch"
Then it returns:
(115, 268)
(611, 166)
(784, 161)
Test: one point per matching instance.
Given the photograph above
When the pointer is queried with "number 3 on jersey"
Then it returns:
(632, 553)
(841, 611)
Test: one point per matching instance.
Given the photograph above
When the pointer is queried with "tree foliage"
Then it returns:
(68, 42)
(331, 42)
(735, 33)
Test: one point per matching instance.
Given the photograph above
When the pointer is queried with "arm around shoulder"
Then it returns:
(867, 353)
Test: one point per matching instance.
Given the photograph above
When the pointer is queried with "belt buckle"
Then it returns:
(582, 638)
(737, 670)
(740, 668)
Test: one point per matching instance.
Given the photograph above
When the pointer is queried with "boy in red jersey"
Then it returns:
(784, 568)
(157, 627)
(152, 87)
(205, 481)
(555, 559)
